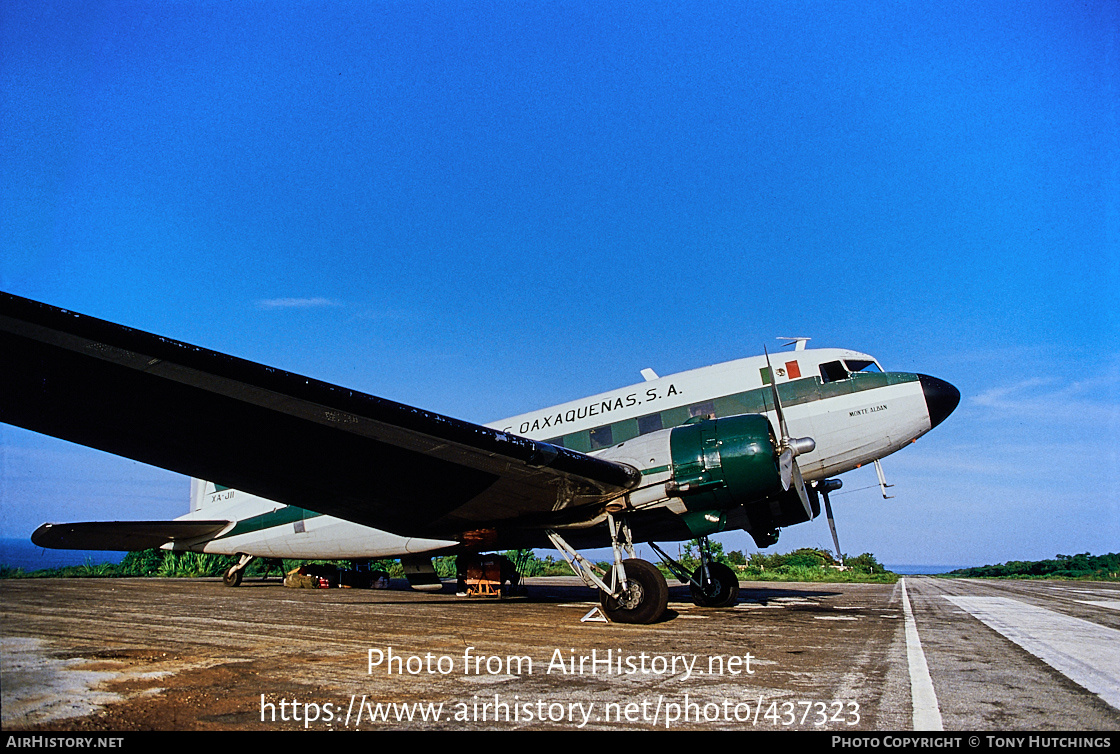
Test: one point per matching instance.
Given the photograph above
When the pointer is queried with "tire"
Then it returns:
(722, 592)
(233, 576)
(646, 597)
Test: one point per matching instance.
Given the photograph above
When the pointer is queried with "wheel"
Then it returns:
(645, 599)
(233, 576)
(723, 590)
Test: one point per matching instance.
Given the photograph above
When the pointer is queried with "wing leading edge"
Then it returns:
(279, 435)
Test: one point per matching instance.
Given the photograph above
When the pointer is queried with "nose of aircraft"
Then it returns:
(941, 398)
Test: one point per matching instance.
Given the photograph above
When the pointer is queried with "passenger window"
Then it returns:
(557, 441)
(705, 410)
(578, 441)
(833, 371)
(601, 438)
(647, 424)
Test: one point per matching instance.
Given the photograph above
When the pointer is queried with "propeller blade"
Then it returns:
(790, 447)
(801, 493)
(777, 401)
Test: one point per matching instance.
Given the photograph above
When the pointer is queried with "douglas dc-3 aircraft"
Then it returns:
(305, 469)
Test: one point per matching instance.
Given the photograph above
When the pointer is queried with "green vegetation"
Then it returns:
(799, 565)
(1083, 566)
(163, 563)
(810, 564)
(528, 564)
(806, 564)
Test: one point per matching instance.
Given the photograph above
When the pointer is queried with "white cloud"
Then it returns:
(296, 303)
(1090, 400)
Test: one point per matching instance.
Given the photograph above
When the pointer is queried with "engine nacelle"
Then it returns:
(723, 463)
(721, 473)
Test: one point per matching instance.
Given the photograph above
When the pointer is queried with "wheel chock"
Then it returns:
(595, 616)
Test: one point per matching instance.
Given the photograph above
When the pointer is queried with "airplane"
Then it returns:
(300, 468)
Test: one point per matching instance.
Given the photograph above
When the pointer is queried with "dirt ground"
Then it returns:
(192, 654)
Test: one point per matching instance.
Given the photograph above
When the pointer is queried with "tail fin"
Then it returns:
(203, 493)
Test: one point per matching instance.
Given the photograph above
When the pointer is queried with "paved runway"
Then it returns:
(128, 654)
(1021, 655)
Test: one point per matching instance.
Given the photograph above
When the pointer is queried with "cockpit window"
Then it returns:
(862, 366)
(833, 371)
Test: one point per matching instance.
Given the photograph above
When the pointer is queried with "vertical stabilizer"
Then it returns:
(203, 494)
(198, 494)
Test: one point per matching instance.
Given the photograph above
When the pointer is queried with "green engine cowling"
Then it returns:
(721, 464)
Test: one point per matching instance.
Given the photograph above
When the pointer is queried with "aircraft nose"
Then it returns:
(941, 398)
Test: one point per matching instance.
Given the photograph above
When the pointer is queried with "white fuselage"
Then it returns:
(850, 429)
(854, 417)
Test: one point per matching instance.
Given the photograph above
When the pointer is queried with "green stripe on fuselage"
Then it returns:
(280, 517)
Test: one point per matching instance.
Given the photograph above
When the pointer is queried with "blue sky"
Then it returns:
(485, 208)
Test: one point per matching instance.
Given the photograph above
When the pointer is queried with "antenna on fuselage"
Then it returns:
(882, 480)
(800, 343)
(824, 487)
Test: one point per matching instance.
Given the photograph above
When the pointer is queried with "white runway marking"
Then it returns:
(1081, 650)
(927, 715)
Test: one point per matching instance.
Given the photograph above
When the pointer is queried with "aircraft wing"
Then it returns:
(279, 435)
(122, 535)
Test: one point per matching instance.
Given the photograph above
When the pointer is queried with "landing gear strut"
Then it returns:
(233, 576)
(637, 592)
(712, 584)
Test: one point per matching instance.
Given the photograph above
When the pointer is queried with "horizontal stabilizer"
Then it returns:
(122, 535)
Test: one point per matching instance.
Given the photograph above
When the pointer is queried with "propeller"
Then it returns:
(789, 447)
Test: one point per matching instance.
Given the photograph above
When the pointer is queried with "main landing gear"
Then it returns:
(712, 584)
(636, 592)
(643, 598)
